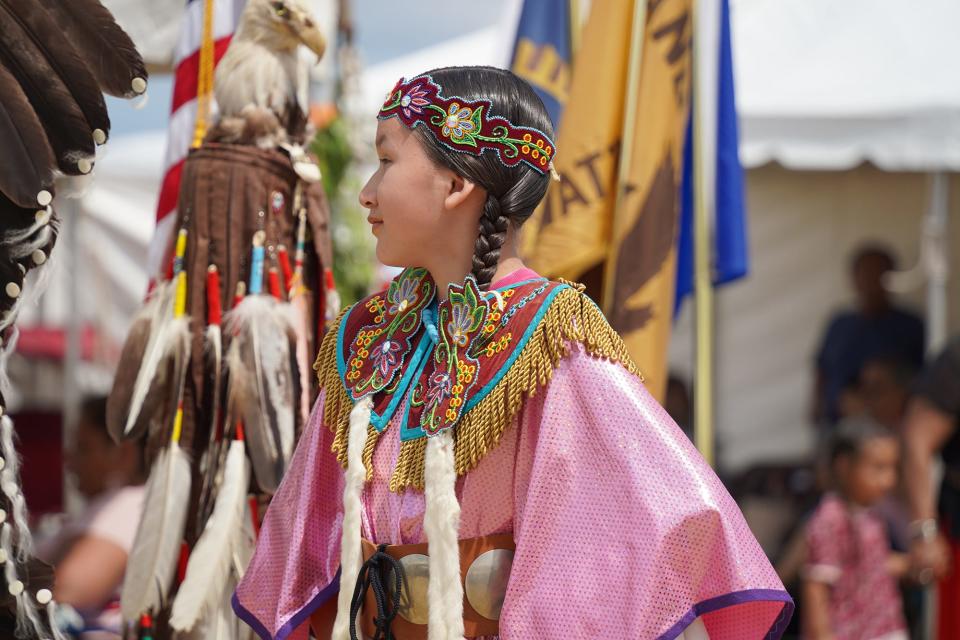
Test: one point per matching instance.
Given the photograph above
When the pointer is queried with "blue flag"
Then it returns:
(543, 55)
(730, 259)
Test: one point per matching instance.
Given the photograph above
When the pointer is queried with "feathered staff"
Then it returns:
(156, 548)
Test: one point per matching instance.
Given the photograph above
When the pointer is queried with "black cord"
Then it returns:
(375, 573)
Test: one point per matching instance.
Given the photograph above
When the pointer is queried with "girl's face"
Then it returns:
(871, 474)
(408, 200)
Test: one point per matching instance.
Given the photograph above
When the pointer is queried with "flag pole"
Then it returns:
(573, 8)
(629, 128)
(703, 396)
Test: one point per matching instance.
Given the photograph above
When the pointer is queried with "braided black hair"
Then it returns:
(512, 192)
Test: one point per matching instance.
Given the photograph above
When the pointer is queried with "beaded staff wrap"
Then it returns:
(467, 126)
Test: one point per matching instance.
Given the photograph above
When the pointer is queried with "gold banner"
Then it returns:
(576, 229)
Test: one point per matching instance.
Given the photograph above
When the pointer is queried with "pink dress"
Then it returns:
(621, 529)
(847, 548)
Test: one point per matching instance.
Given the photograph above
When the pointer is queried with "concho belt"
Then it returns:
(484, 569)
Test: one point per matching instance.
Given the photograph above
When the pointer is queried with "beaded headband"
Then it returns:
(467, 126)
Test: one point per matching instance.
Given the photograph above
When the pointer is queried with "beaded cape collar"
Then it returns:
(449, 364)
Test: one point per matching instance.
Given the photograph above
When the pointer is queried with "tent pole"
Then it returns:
(937, 262)
(72, 400)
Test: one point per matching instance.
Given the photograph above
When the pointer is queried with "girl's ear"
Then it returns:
(460, 191)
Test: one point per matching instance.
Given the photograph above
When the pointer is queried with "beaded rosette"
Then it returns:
(467, 126)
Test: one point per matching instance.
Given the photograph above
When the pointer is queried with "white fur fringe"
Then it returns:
(350, 553)
(441, 523)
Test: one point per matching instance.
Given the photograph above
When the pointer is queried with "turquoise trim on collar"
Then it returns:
(406, 431)
(416, 362)
(341, 363)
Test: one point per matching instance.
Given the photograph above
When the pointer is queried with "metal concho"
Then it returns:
(486, 582)
(413, 594)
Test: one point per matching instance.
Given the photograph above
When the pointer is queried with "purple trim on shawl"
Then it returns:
(733, 599)
(298, 618)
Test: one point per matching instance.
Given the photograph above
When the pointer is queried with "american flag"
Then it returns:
(213, 22)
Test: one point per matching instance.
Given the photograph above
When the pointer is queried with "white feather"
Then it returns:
(246, 545)
(350, 553)
(156, 548)
(211, 459)
(299, 307)
(9, 347)
(214, 344)
(211, 561)
(162, 339)
(441, 523)
(263, 396)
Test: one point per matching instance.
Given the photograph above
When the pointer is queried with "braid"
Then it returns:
(493, 231)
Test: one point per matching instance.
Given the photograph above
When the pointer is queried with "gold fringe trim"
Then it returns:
(337, 403)
(571, 318)
(410, 465)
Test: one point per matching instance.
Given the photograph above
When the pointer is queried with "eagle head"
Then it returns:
(282, 25)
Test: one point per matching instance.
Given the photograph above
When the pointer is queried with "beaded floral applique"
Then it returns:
(378, 350)
(455, 371)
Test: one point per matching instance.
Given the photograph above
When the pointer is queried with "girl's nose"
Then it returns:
(367, 195)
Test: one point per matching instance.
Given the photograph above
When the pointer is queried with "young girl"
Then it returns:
(483, 460)
(849, 588)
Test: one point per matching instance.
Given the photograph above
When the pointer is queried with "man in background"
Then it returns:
(875, 328)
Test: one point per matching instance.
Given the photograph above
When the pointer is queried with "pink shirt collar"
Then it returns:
(514, 277)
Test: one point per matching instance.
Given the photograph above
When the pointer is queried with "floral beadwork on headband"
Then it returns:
(467, 126)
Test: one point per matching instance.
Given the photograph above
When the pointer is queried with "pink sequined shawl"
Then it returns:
(621, 528)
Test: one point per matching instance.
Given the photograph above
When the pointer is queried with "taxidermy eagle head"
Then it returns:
(257, 84)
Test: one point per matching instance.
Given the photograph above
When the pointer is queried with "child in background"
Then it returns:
(850, 580)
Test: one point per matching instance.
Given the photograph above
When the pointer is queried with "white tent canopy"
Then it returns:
(823, 84)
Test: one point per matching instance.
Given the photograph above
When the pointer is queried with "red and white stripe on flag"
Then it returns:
(183, 113)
